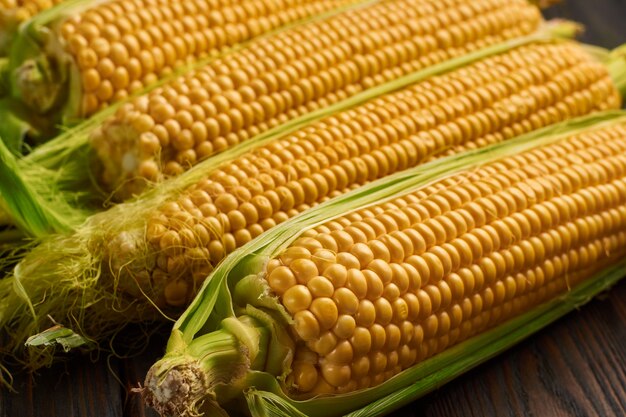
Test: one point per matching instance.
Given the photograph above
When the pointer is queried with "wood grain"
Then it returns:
(134, 372)
(78, 388)
(575, 367)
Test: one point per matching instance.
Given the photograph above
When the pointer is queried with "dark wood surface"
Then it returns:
(575, 367)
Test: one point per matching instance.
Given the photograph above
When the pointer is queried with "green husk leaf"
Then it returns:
(12, 127)
(58, 335)
(4, 74)
(216, 362)
(19, 198)
(7, 29)
(616, 63)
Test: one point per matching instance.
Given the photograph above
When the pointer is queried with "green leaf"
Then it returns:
(58, 336)
(19, 199)
(4, 74)
(13, 129)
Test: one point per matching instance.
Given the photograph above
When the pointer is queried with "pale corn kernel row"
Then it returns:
(187, 237)
(378, 290)
(290, 74)
(122, 46)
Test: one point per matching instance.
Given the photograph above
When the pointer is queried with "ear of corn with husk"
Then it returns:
(70, 61)
(150, 256)
(365, 302)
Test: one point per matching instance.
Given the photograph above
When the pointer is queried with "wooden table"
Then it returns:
(575, 367)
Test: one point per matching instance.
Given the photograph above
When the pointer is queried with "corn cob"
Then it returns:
(484, 103)
(291, 74)
(157, 251)
(336, 302)
(85, 56)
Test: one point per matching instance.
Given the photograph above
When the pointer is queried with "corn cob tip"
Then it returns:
(171, 395)
(186, 386)
(39, 84)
